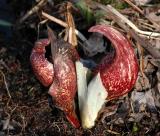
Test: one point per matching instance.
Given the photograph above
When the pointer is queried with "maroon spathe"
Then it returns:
(64, 86)
(60, 75)
(42, 68)
(119, 72)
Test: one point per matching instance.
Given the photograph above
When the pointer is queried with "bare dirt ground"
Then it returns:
(24, 102)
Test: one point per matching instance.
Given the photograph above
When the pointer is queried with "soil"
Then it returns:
(29, 111)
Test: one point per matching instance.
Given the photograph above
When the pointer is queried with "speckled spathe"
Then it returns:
(42, 68)
(118, 72)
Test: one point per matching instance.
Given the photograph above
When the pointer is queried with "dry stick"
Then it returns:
(148, 37)
(52, 18)
(143, 21)
(9, 118)
(142, 13)
(33, 10)
(125, 21)
(4, 65)
(144, 26)
(146, 44)
(40, 23)
(24, 123)
(149, 27)
(134, 6)
(60, 22)
(141, 65)
(6, 85)
(129, 27)
(112, 132)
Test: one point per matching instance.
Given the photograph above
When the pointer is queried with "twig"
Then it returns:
(41, 23)
(142, 13)
(33, 10)
(55, 124)
(4, 65)
(130, 28)
(56, 20)
(131, 103)
(140, 52)
(134, 6)
(145, 26)
(6, 85)
(143, 22)
(24, 123)
(146, 44)
(124, 20)
(60, 22)
(9, 118)
(148, 37)
(112, 132)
